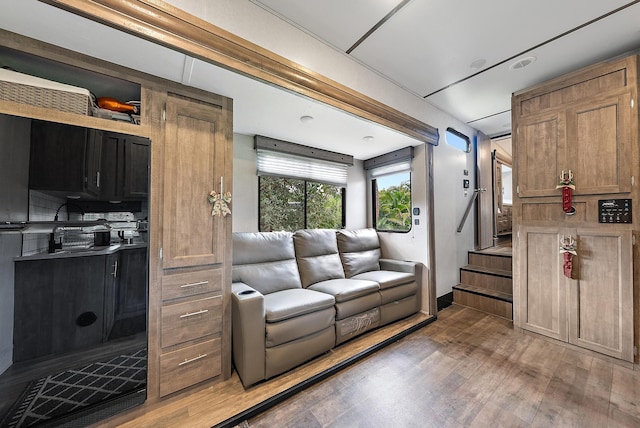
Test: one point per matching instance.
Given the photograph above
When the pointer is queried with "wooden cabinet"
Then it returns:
(195, 149)
(59, 305)
(585, 122)
(90, 163)
(195, 318)
(594, 308)
(192, 329)
(131, 290)
(68, 303)
(191, 155)
(567, 139)
(125, 167)
(599, 144)
(135, 176)
(541, 140)
(65, 159)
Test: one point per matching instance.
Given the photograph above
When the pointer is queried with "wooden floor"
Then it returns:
(207, 406)
(468, 369)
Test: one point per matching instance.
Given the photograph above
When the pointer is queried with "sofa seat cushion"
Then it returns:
(386, 278)
(294, 302)
(298, 327)
(357, 305)
(345, 289)
(392, 294)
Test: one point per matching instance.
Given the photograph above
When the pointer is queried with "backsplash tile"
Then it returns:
(43, 207)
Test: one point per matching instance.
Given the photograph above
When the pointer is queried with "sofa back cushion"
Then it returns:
(317, 255)
(265, 261)
(359, 251)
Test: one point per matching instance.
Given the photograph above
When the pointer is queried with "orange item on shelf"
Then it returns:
(115, 105)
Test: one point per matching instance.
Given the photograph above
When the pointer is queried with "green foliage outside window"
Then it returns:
(291, 204)
(393, 206)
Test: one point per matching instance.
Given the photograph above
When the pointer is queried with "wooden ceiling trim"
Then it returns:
(164, 24)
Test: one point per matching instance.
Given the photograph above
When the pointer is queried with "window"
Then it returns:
(392, 205)
(391, 190)
(458, 140)
(291, 204)
(299, 186)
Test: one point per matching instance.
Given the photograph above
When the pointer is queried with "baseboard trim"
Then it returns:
(445, 300)
(284, 395)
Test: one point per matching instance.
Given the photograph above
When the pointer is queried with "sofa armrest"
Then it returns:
(399, 266)
(248, 332)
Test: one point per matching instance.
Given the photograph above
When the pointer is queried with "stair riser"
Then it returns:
(490, 282)
(484, 304)
(489, 261)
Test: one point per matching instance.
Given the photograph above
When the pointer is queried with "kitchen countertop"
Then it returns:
(82, 252)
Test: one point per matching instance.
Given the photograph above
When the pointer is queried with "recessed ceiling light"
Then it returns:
(522, 63)
(368, 138)
(478, 64)
(306, 119)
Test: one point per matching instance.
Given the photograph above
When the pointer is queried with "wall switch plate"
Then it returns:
(416, 211)
(416, 221)
(466, 172)
(465, 184)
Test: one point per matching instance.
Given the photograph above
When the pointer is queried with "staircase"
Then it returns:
(486, 282)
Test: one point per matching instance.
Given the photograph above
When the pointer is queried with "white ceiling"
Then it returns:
(428, 46)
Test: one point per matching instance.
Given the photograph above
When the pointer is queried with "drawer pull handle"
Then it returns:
(199, 357)
(192, 314)
(194, 284)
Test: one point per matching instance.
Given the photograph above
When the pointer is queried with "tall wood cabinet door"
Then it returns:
(599, 145)
(601, 298)
(195, 143)
(540, 148)
(542, 302)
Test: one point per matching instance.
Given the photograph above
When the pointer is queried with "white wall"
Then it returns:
(245, 189)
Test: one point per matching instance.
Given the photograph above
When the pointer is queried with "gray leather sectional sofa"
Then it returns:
(297, 295)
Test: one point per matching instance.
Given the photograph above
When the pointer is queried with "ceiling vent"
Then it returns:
(522, 63)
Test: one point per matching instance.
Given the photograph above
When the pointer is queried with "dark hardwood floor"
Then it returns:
(468, 369)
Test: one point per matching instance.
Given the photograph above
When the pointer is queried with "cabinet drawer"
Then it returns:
(189, 365)
(191, 320)
(191, 283)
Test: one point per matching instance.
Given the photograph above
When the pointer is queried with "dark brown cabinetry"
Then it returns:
(131, 290)
(67, 303)
(125, 165)
(59, 305)
(89, 163)
(65, 159)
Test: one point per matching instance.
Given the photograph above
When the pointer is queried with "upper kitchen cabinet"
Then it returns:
(65, 159)
(580, 123)
(125, 162)
(88, 163)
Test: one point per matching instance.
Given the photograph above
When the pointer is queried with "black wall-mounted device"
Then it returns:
(614, 211)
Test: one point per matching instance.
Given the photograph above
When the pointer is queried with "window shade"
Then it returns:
(396, 161)
(284, 159)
